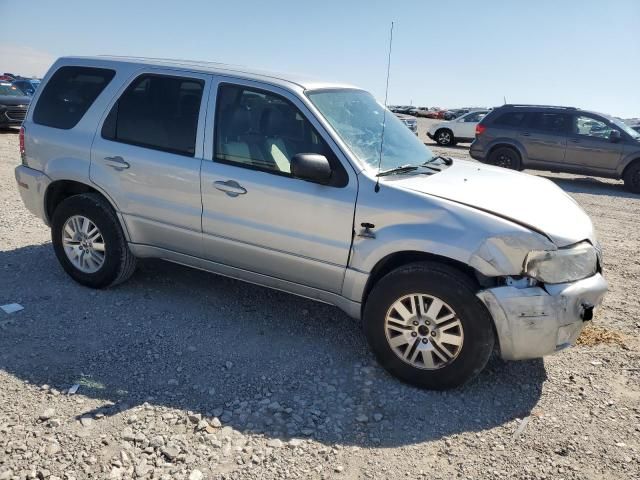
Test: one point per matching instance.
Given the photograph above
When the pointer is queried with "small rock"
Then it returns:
(6, 475)
(275, 443)
(54, 423)
(295, 442)
(171, 452)
(196, 475)
(127, 434)
(216, 422)
(228, 365)
(86, 422)
(362, 418)
(172, 381)
(377, 417)
(339, 468)
(47, 414)
(202, 425)
(53, 448)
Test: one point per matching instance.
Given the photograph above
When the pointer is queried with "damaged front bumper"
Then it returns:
(535, 321)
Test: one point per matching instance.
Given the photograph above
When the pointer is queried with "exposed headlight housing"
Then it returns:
(563, 265)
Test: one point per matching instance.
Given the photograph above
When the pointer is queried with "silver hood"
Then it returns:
(528, 200)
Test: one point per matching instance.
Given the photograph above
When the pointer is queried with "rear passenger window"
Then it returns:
(550, 122)
(510, 119)
(68, 95)
(158, 112)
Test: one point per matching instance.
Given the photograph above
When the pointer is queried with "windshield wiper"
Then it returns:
(397, 170)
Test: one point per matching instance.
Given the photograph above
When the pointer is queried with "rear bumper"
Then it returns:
(476, 153)
(534, 322)
(32, 184)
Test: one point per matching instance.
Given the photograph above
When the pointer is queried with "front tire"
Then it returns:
(632, 177)
(89, 242)
(444, 137)
(426, 326)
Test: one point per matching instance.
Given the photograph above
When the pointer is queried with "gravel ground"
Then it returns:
(187, 375)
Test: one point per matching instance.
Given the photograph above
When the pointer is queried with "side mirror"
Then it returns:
(311, 167)
(614, 136)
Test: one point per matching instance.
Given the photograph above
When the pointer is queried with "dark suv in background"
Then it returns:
(559, 139)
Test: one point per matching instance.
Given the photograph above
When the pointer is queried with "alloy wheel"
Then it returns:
(83, 244)
(424, 331)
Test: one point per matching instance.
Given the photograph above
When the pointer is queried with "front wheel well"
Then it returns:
(61, 190)
(504, 145)
(399, 259)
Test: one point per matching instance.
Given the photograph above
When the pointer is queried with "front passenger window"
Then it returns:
(260, 130)
(591, 127)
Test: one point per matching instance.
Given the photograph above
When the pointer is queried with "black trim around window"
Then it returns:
(339, 176)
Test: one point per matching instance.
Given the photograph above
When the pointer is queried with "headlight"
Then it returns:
(564, 265)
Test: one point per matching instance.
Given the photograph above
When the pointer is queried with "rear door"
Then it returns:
(589, 145)
(466, 126)
(545, 137)
(259, 218)
(147, 156)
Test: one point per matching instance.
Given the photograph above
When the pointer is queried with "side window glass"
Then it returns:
(68, 95)
(510, 119)
(591, 127)
(474, 117)
(158, 112)
(264, 131)
(550, 122)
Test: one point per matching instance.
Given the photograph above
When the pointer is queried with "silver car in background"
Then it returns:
(282, 182)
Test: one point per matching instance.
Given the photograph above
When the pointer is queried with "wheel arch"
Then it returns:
(59, 190)
(633, 160)
(398, 259)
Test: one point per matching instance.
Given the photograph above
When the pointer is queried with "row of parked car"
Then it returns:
(431, 112)
(15, 96)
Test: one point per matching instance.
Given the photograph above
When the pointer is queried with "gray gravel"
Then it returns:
(186, 375)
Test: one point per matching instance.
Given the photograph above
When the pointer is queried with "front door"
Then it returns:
(147, 156)
(544, 137)
(589, 145)
(256, 216)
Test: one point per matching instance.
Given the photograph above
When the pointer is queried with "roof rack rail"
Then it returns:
(539, 106)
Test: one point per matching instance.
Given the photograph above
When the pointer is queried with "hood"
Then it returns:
(12, 100)
(534, 202)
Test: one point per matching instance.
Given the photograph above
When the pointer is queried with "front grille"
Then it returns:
(16, 114)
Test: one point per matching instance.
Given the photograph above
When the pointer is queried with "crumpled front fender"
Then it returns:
(505, 254)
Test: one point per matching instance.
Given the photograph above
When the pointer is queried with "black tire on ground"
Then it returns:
(445, 137)
(455, 289)
(506, 157)
(632, 177)
(119, 263)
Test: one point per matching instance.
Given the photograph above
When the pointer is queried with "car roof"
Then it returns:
(285, 79)
(550, 108)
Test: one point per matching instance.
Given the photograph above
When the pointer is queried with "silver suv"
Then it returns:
(288, 183)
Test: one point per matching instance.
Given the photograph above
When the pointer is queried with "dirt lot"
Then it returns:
(188, 375)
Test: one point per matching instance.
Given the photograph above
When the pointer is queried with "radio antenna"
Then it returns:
(384, 112)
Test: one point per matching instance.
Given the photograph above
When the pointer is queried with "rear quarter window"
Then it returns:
(509, 119)
(68, 95)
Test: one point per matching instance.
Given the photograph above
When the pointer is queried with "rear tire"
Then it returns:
(444, 137)
(506, 157)
(78, 252)
(632, 177)
(442, 338)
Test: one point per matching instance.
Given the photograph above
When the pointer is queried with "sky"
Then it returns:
(454, 53)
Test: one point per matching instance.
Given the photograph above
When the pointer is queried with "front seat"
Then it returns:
(272, 125)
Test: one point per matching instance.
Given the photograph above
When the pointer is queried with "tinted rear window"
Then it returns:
(68, 95)
(510, 119)
(158, 112)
